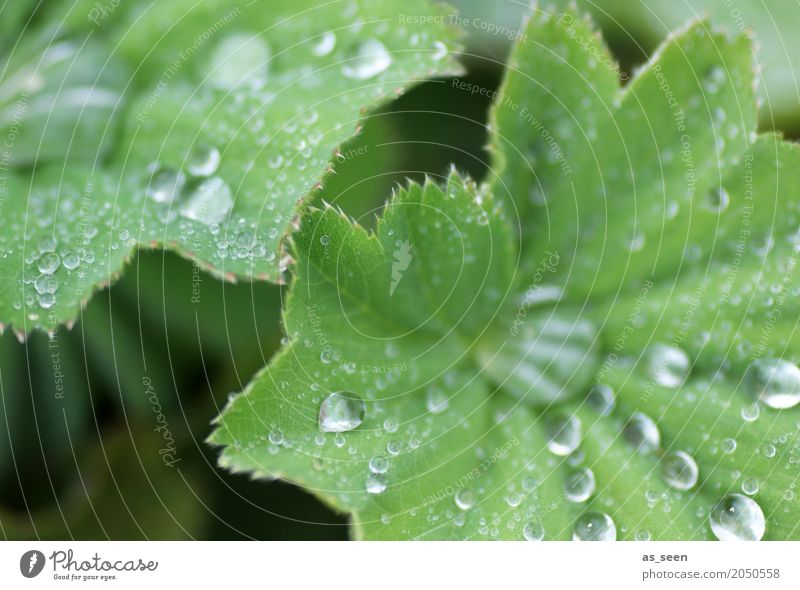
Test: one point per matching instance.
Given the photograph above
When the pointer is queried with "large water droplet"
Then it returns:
(679, 470)
(366, 60)
(667, 365)
(341, 411)
(45, 284)
(210, 202)
(533, 531)
(203, 161)
(563, 434)
(594, 526)
(579, 485)
(240, 59)
(641, 431)
(379, 465)
(737, 518)
(775, 382)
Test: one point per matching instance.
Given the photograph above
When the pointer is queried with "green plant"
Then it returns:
(596, 341)
(586, 353)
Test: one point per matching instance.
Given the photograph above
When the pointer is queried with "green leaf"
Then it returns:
(482, 367)
(230, 116)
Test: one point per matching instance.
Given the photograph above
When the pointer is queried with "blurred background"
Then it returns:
(83, 412)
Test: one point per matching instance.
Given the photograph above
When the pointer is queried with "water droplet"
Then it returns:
(210, 202)
(240, 59)
(436, 400)
(45, 284)
(165, 185)
(775, 382)
(750, 486)
(737, 518)
(366, 60)
(679, 470)
(440, 50)
(533, 531)
(601, 399)
(341, 411)
(49, 263)
(642, 535)
(667, 365)
(47, 300)
(728, 446)
(390, 425)
(717, 200)
(579, 485)
(324, 44)
(750, 412)
(594, 526)
(379, 465)
(563, 434)
(376, 483)
(71, 260)
(641, 431)
(465, 498)
(203, 161)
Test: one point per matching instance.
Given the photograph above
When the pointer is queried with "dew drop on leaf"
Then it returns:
(45, 284)
(594, 526)
(436, 400)
(165, 185)
(71, 260)
(341, 411)
(324, 45)
(240, 59)
(376, 483)
(366, 59)
(465, 498)
(775, 382)
(49, 263)
(533, 531)
(667, 365)
(203, 161)
(563, 434)
(737, 518)
(750, 486)
(379, 465)
(209, 202)
(679, 470)
(579, 485)
(601, 399)
(642, 432)
(717, 200)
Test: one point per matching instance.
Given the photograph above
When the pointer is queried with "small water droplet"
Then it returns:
(341, 411)
(601, 399)
(594, 526)
(366, 59)
(533, 531)
(436, 400)
(750, 412)
(717, 200)
(563, 434)
(165, 185)
(390, 425)
(376, 483)
(71, 260)
(750, 486)
(47, 300)
(667, 365)
(49, 263)
(728, 446)
(775, 382)
(465, 498)
(641, 431)
(579, 485)
(642, 535)
(203, 161)
(737, 518)
(680, 470)
(324, 45)
(379, 465)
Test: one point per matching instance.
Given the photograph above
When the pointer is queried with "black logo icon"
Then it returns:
(31, 563)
